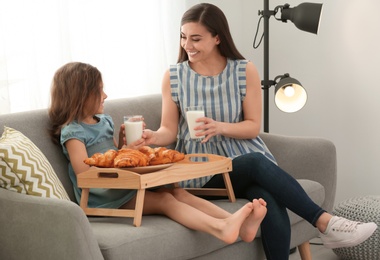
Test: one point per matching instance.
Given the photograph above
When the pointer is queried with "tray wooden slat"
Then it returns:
(115, 178)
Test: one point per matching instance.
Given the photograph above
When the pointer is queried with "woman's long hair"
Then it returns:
(216, 23)
(75, 94)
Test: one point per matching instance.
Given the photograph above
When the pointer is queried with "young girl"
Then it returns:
(79, 125)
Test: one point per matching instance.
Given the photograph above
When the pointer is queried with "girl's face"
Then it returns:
(103, 96)
(198, 42)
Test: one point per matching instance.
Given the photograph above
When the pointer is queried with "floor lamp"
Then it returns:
(290, 96)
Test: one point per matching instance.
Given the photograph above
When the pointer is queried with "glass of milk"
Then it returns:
(192, 114)
(133, 128)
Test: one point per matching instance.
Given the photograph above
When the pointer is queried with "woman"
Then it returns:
(212, 73)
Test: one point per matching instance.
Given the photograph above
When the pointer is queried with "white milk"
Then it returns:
(191, 116)
(133, 131)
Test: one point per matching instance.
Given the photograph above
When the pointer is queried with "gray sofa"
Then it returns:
(40, 228)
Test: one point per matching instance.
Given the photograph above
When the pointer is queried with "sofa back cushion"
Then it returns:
(148, 106)
(34, 125)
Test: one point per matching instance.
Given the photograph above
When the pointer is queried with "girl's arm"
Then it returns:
(252, 107)
(167, 133)
(77, 153)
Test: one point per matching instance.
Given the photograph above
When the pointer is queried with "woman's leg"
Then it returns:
(164, 203)
(275, 228)
(256, 168)
(334, 231)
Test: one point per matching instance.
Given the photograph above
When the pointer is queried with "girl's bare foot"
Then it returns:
(230, 227)
(250, 226)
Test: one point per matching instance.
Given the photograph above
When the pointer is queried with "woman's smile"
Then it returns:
(192, 53)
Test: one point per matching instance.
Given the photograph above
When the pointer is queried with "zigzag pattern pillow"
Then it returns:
(25, 169)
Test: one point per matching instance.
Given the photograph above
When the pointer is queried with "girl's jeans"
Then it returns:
(254, 176)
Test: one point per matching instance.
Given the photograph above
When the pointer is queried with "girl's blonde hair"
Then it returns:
(75, 95)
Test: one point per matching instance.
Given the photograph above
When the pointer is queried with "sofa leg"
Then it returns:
(304, 250)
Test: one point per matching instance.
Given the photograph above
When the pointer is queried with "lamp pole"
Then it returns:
(266, 83)
(306, 17)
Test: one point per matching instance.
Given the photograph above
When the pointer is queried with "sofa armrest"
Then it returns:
(40, 228)
(311, 158)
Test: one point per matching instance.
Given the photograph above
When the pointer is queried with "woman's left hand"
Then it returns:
(209, 128)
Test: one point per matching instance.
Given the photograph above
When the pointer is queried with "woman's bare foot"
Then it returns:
(229, 229)
(250, 226)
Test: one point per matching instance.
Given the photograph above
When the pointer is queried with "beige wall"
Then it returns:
(339, 69)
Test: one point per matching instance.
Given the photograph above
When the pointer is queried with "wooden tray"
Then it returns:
(122, 178)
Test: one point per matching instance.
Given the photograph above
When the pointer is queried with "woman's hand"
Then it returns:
(148, 136)
(209, 128)
(135, 145)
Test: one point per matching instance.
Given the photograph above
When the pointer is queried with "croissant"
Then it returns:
(134, 158)
(164, 155)
(102, 160)
(130, 158)
(174, 155)
(148, 151)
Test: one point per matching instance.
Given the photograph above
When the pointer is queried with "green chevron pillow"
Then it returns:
(25, 169)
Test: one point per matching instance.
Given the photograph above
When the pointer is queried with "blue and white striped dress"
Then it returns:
(222, 97)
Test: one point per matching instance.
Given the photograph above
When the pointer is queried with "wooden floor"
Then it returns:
(318, 252)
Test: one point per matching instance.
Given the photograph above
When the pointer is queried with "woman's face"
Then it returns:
(198, 42)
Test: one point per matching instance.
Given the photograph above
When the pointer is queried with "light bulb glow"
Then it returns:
(290, 98)
(289, 91)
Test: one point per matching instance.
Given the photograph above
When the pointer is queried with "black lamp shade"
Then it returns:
(290, 96)
(305, 16)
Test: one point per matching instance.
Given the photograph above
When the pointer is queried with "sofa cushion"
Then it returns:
(119, 239)
(25, 169)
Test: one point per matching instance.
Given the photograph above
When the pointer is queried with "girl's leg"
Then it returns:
(251, 224)
(165, 203)
(275, 228)
(249, 227)
(201, 204)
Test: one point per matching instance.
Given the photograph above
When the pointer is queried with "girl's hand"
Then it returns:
(121, 136)
(122, 141)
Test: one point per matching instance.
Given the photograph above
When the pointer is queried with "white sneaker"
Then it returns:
(341, 232)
